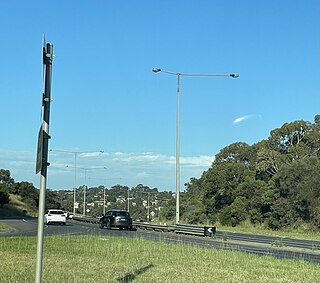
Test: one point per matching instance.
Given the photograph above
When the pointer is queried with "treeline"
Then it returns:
(28, 193)
(274, 183)
(142, 201)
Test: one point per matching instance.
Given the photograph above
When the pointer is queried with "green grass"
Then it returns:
(4, 227)
(303, 232)
(116, 259)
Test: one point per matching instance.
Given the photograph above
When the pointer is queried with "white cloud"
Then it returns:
(143, 175)
(241, 119)
(91, 154)
(149, 168)
(199, 161)
(245, 117)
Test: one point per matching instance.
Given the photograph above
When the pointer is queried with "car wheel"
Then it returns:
(101, 225)
(108, 225)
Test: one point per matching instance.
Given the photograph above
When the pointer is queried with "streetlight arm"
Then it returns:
(210, 75)
(87, 168)
(157, 70)
(75, 152)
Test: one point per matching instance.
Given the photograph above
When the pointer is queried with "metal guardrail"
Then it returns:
(195, 230)
(153, 227)
(187, 229)
(86, 219)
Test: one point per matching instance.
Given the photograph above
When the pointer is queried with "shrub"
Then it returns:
(4, 198)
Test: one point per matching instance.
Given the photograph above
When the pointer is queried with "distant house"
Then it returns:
(120, 199)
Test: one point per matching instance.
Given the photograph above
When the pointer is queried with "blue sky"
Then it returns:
(105, 96)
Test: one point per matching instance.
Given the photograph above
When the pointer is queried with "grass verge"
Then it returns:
(303, 232)
(17, 207)
(4, 227)
(117, 259)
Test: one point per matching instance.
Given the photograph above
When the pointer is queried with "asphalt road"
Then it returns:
(257, 244)
(29, 227)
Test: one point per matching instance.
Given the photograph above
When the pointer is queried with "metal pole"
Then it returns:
(104, 198)
(47, 61)
(75, 183)
(84, 192)
(128, 200)
(148, 209)
(178, 152)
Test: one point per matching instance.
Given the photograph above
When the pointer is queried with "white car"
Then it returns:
(55, 216)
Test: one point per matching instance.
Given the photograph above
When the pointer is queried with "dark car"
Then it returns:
(116, 218)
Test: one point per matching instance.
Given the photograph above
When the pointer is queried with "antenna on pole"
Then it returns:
(42, 72)
(43, 65)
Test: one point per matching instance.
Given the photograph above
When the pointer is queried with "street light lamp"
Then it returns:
(85, 185)
(75, 169)
(158, 70)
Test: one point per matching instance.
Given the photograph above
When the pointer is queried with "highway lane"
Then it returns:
(29, 226)
(272, 240)
(262, 246)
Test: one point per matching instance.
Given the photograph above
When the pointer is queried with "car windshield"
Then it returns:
(56, 212)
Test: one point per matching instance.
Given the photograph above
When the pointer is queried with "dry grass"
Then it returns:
(17, 207)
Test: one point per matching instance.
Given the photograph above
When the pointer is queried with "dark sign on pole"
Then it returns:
(39, 151)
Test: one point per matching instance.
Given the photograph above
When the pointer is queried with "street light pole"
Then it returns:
(178, 153)
(128, 200)
(75, 170)
(75, 183)
(157, 70)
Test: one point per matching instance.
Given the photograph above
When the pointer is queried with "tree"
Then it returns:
(269, 161)
(235, 213)
(52, 200)
(28, 193)
(237, 152)
(193, 209)
(312, 138)
(252, 191)
(298, 183)
(219, 184)
(290, 134)
(4, 198)
(5, 178)
(169, 211)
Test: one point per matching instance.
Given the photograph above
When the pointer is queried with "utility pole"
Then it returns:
(128, 208)
(42, 153)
